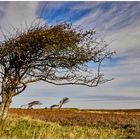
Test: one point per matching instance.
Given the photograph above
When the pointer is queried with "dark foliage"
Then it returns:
(63, 101)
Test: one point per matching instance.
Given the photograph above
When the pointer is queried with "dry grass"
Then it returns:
(70, 123)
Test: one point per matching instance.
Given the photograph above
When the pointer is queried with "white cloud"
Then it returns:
(17, 15)
(126, 41)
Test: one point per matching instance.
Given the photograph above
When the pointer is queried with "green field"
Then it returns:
(71, 123)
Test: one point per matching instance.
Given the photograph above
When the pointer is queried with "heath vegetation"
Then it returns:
(70, 123)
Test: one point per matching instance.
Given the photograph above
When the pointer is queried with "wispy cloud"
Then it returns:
(16, 15)
(111, 16)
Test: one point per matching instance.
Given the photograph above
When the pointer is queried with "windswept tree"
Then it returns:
(31, 104)
(58, 54)
(63, 101)
(53, 106)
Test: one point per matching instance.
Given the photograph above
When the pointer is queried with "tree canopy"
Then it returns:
(56, 54)
(31, 104)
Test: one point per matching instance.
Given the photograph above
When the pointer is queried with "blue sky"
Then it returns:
(118, 23)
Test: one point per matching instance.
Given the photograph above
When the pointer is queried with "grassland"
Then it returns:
(71, 123)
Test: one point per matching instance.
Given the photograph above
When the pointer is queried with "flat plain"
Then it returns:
(71, 123)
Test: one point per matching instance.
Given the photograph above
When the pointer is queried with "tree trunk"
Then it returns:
(5, 104)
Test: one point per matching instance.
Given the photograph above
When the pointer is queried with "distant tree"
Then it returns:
(63, 101)
(58, 54)
(53, 106)
(59, 105)
(31, 104)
